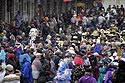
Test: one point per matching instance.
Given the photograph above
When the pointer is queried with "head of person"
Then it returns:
(88, 71)
(66, 58)
(9, 69)
(42, 58)
(101, 63)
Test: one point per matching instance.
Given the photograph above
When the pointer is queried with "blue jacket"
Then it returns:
(27, 72)
(3, 56)
(63, 73)
(97, 49)
(18, 51)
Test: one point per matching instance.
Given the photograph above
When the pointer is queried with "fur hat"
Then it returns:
(9, 67)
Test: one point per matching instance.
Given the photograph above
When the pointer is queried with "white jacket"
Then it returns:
(11, 78)
(2, 73)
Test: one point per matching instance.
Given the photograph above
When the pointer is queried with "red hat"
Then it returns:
(11, 55)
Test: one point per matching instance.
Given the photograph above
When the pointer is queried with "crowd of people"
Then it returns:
(85, 47)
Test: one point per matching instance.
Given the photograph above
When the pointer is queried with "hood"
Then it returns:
(86, 77)
(25, 56)
(111, 69)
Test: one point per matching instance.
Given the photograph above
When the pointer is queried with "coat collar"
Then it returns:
(10, 78)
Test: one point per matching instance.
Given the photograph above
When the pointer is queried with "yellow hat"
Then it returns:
(102, 35)
(95, 33)
(88, 47)
(102, 30)
(85, 33)
(115, 28)
(75, 37)
(111, 35)
(107, 42)
(107, 31)
(112, 43)
(123, 31)
(98, 41)
(84, 40)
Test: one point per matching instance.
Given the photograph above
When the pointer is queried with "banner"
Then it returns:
(67, 0)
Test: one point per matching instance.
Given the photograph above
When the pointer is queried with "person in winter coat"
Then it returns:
(78, 69)
(63, 72)
(109, 74)
(78, 60)
(97, 48)
(45, 72)
(10, 76)
(94, 64)
(13, 60)
(36, 67)
(87, 78)
(102, 72)
(3, 55)
(26, 69)
(2, 71)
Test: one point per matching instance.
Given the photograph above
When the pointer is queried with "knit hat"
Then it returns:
(11, 55)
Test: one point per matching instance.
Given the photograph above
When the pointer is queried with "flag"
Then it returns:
(67, 0)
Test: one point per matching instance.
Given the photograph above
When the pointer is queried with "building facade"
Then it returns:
(31, 8)
(106, 3)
